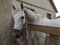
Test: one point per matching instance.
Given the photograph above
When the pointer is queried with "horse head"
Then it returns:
(19, 17)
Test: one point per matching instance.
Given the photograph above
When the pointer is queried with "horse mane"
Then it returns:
(27, 16)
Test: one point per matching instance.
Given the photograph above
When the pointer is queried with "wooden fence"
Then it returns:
(46, 29)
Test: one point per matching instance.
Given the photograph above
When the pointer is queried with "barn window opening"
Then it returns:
(48, 15)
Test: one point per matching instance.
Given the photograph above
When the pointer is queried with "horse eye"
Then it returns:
(22, 17)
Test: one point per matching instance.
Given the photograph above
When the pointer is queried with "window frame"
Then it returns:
(49, 15)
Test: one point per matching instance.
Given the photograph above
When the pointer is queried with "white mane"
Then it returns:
(32, 16)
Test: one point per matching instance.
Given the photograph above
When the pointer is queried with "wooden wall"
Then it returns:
(5, 22)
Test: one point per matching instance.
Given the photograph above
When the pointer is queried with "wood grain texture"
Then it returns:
(5, 22)
(45, 29)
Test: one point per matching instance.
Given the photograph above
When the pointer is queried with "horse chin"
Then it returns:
(22, 27)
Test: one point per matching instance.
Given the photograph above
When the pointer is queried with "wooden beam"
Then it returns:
(34, 5)
(46, 29)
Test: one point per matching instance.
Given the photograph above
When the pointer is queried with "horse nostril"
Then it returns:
(22, 17)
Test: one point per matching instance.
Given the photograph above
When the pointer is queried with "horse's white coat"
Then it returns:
(32, 15)
(18, 22)
(46, 22)
(55, 22)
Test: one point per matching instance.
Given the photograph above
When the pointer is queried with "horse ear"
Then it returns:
(13, 7)
(22, 7)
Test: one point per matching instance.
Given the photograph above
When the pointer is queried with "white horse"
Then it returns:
(19, 22)
(19, 17)
(33, 18)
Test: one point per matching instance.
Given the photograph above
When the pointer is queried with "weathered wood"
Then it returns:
(52, 40)
(46, 29)
(5, 22)
(29, 35)
(29, 38)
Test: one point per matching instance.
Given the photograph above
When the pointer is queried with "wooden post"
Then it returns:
(29, 37)
(29, 34)
(5, 22)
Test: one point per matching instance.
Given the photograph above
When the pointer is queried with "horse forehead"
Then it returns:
(19, 14)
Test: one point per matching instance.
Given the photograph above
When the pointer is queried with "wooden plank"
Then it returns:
(5, 22)
(29, 35)
(29, 41)
(46, 29)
